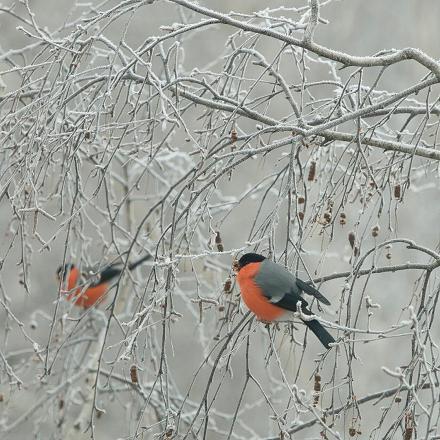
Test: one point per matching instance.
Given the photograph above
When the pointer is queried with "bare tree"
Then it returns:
(116, 143)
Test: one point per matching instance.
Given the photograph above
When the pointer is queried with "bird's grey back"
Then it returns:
(275, 281)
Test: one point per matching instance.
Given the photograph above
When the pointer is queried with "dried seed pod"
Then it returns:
(316, 389)
(327, 217)
(397, 399)
(234, 135)
(315, 399)
(200, 311)
(375, 230)
(312, 172)
(397, 191)
(61, 404)
(235, 265)
(342, 218)
(388, 254)
(408, 433)
(218, 242)
(301, 215)
(227, 286)
(134, 374)
(409, 426)
(317, 385)
(221, 308)
(352, 239)
(356, 251)
(352, 432)
(301, 200)
(87, 135)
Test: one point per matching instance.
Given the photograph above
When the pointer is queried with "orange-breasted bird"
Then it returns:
(85, 292)
(270, 291)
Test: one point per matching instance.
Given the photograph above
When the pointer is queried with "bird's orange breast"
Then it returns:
(253, 296)
(82, 298)
(89, 297)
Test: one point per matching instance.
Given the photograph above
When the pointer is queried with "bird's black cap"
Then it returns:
(63, 270)
(250, 258)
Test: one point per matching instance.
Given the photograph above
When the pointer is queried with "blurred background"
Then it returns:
(114, 167)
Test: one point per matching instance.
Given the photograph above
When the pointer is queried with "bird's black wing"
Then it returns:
(109, 273)
(289, 302)
(310, 290)
(276, 282)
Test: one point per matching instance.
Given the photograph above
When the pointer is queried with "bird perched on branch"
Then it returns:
(92, 289)
(271, 292)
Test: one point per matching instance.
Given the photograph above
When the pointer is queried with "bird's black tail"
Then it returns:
(135, 264)
(321, 333)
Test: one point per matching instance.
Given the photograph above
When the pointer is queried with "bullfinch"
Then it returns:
(89, 292)
(271, 292)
